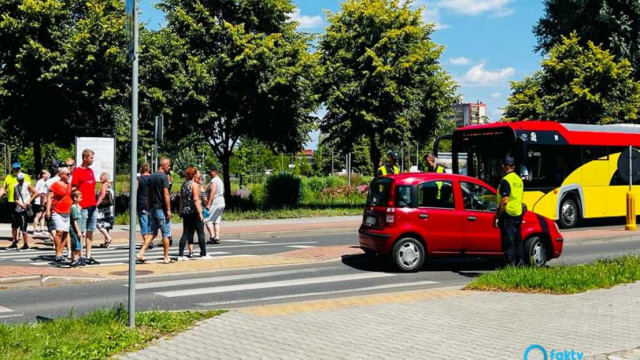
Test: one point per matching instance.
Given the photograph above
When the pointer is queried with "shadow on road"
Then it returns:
(467, 267)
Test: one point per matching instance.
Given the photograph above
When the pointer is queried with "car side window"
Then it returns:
(478, 198)
(436, 194)
(403, 196)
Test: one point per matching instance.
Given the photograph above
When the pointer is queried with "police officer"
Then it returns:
(390, 167)
(509, 215)
(430, 160)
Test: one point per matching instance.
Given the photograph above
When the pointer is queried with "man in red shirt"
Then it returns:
(84, 180)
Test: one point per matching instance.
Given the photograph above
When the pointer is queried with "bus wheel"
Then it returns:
(569, 214)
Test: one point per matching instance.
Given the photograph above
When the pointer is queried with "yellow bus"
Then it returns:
(570, 171)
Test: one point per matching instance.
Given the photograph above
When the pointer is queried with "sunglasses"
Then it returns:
(70, 165)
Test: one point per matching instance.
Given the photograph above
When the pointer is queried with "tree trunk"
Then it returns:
(374, 153)
(37, 157)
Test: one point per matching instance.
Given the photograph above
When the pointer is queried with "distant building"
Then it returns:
(470, 114)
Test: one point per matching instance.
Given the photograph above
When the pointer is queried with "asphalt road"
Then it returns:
(355, 275)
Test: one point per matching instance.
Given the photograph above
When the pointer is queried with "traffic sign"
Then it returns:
(624, 163)
(130, 8)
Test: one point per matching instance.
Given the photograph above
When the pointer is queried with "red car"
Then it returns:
(412, 216)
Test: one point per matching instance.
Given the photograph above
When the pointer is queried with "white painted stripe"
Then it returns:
(219, 279)
(5, 310)
(282, 297)
(301, 246)
(10, 316)
(269, 244)
(245, 241)
(150, 260)
(272, 284)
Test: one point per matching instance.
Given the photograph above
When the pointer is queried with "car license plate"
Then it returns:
(371, 220)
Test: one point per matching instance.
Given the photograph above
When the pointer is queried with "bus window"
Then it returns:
(594, 153)
(548, 166)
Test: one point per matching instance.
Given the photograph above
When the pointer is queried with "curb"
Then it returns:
(31, 281)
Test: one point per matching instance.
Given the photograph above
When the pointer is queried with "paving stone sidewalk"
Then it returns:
(417, 325)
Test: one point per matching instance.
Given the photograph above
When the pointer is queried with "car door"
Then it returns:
(480, 205)
(437, 216)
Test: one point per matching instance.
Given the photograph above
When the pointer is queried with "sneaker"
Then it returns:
(82, 261)
(183, 258)
(206, 257)
(92, 261)
(190, 256)
(25, 247)
(75, 263)
(151, 246)
(13, 246)
(59, 259)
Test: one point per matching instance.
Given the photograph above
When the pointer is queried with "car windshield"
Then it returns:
(379, 192)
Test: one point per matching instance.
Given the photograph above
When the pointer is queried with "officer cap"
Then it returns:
(508, 160)
(393, 155)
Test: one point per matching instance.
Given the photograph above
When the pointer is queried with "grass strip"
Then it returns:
(97, 335)
(565, 279)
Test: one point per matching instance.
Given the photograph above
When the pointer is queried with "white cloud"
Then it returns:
(460, 61)
(478, 76)
(307, 22)
(497, 114)
(495, 8)
(496, 95)
(430, 14)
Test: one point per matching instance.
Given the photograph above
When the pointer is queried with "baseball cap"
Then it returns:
(16, 165)
(508, 160)
(20, 176)
(55, 165)
(213, 168)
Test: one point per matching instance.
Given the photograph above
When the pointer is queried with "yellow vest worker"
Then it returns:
(390, 167)
(510, 212)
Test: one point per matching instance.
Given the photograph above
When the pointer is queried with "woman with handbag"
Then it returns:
(106, 200)
(24, 196)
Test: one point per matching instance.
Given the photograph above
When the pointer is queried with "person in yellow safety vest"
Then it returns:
(510, 212)
(430, 160)
(390, 167)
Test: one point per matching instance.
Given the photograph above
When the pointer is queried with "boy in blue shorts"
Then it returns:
(74, 230)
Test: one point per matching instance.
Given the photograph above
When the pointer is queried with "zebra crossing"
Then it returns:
(43, 255)
(259, 286)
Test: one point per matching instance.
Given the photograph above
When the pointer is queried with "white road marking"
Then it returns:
(272, 284)
(301, 246)
(5, 310)
(161, 284)
(245, 241)
(380, 287)
(9, 316)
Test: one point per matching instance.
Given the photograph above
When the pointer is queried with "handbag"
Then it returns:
(107, 201)
(29, 209)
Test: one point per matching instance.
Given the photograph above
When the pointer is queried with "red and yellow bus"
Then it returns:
(570, 171)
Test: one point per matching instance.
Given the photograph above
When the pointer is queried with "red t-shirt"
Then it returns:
(61, 201)
(84, 180)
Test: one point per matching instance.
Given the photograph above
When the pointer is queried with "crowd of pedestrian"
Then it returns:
(67, 208)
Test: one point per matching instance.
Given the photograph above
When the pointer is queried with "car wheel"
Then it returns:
(569, 213)
(408, 254)
(535, 251)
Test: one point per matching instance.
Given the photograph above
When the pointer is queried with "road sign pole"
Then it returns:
(631, 199)
(134, 165)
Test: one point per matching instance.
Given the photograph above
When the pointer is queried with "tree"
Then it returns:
(61, 66)
(577, 84)
(246, 73)
(382, 78)
(612, 24)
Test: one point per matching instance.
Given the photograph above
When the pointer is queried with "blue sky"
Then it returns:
(487, 42)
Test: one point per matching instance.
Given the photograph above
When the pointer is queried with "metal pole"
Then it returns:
(331, 162)
(630, 165)
(402, 154)
(417, 155)
(349, 169)
(155, 145)
(134, 164)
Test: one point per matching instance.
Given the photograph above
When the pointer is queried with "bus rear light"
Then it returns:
(555, 191)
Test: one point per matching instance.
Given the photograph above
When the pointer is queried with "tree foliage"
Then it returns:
(242, 71)
(382, 78)
(577, 84)
(612, 24)
(62, 70)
